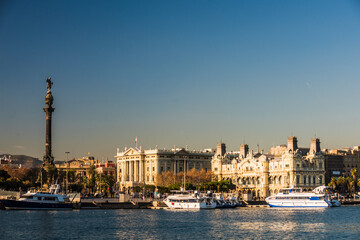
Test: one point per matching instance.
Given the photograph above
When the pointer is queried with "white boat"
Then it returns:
(39, 200)
(185, 200)
(295, 197)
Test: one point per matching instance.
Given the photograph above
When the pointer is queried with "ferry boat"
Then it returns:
(33, 200)
(185, 200)
(295, 197)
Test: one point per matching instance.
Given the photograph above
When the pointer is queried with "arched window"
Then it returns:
(320, 179)
(304, 179)
(280, 180)
(309, 179)
(314, 180)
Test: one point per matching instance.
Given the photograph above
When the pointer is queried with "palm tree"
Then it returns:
(332, 183)
(341, 182)
(350, 182)
(353, 174)
(92, 178)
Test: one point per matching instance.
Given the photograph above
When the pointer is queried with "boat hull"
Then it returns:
(27, 205)
(184, 205)
(294, 204)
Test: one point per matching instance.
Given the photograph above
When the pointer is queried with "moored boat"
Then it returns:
(34, 200)
(295, 197)
(186, 200)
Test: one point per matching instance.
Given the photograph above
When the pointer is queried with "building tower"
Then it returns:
(314, 145)
(48, 160)
(292, 144)
(220, 149)
(244, 149)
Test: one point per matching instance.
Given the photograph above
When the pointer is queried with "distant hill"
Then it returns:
(25, 161)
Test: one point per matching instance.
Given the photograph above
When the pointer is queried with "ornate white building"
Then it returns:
(265, 174)
(136, 167)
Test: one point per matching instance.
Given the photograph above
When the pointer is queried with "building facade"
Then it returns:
(136, 167)
(108, 168)
(263, 175)
(8, 162)
(81, 166)
(339, 162)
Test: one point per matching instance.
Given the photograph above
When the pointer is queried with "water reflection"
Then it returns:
(243, 223)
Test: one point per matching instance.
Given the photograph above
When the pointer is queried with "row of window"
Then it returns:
(320, 198)
(43, 198)
(312, 166)
(307, 179)
(184, 201)
(128, 179)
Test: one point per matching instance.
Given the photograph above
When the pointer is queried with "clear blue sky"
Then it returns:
(178, 73)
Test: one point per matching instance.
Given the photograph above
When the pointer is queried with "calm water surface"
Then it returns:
(240, 223)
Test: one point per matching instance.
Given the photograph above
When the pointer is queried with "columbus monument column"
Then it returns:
(48, 160)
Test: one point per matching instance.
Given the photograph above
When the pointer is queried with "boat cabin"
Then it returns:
(290, 190)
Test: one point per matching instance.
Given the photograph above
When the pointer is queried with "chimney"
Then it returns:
(292, 144)
(315, 145)
(244, 149)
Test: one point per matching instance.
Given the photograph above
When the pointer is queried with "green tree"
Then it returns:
(92, 178)
(332, 183)
(51, 174)
(341, 182)
(350, 182)
(109, 182)
(353, 175)
(4, 175)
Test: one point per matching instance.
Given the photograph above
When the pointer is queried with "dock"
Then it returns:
(112, 203)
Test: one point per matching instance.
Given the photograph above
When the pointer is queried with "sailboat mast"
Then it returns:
(184, 172)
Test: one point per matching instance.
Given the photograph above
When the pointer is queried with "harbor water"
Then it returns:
(239, 223)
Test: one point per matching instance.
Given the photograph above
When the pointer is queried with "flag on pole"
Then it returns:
(136, 140)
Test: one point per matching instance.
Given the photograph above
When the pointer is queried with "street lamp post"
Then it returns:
(67, 171)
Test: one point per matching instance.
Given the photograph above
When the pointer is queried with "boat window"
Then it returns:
(49, 198)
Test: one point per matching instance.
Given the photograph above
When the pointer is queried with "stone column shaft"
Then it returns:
(150, 171)
(123, 169)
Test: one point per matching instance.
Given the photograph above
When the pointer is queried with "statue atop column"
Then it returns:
(48, 160)
(49, 83)
(49, 98)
